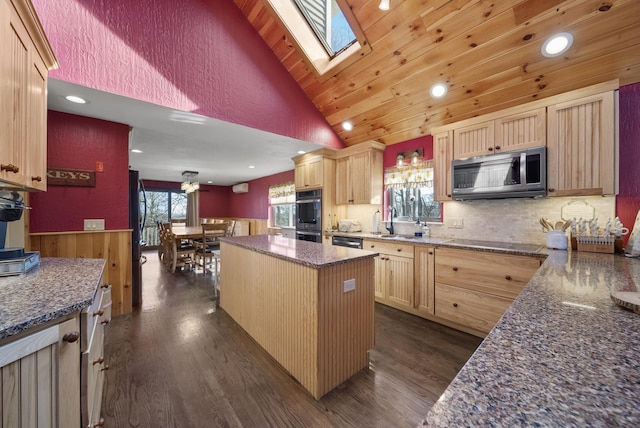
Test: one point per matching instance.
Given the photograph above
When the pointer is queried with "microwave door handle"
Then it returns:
(523, 169)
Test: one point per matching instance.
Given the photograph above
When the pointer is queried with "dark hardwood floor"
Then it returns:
(181, 361)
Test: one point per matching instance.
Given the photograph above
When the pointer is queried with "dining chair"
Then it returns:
(207, 247)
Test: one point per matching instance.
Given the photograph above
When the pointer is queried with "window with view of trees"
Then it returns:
(282, 205)
(410, 192)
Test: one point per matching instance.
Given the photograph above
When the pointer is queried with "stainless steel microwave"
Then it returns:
(517, 174)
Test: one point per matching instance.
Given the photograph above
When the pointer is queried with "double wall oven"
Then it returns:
(309, 215)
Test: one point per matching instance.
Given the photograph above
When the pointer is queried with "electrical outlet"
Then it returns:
(94, 224)
(349, 285)
(454, 223)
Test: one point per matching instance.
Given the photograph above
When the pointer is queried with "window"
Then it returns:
(328, 23)
(162, 206)
(282, 205)
(410, 192)
(325, 32)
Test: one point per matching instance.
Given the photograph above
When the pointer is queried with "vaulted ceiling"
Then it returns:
(487, 52)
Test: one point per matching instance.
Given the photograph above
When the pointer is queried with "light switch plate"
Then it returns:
(94, 224)
(349, 285)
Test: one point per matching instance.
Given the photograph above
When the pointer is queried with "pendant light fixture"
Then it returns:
(384, 5)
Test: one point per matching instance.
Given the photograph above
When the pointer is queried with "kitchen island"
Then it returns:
(562, 355)
(309, 305)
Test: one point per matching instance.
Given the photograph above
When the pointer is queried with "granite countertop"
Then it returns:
(306, 253)
(57, 288)
(562, 355)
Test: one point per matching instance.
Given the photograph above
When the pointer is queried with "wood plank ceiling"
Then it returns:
(487, 52)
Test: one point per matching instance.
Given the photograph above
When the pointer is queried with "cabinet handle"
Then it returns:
(508, 277)
(71, 337)
(430, 252)
(373, 246)
(551, 189)
(98, 361)
(490, 149)
(106, 367)
(455, 305)
(105, 322)
(36, 178)
(98, 313)
(100, 423)
(105, 286)
(9, 168)
(455, 269)
(497, 147)
(448, 195)
(399, 250)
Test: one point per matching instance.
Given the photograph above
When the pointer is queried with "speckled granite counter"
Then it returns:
(563, 355)
(55, 289)
(301, 252)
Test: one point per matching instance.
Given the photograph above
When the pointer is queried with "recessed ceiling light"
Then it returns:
(347, 126)
(557, 44)
(75, 99)
(251, 167)
(438, 90)
(209, 182)
(301, 152)
(384, 5)
(136, 151)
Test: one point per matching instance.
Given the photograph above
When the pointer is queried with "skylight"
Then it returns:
(325, 32)
(328, 23)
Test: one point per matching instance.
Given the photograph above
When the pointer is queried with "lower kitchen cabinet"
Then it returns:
(394, 273)
(93, 364)
(475, 288)
(40, 376)
(424, 295)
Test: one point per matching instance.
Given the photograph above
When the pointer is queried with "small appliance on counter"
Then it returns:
(13, 261)
(349, 225)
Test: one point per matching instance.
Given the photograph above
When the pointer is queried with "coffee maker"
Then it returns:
(13, 261)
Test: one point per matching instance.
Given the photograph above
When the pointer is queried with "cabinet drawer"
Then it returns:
(499, 274)
(389, 248)
(95, 313)
(477, 310)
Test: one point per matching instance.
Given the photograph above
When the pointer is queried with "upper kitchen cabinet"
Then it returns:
(514, 130)
(442, 157)
(315, 170)
(582, 146)
(359, 174)
(26, 58)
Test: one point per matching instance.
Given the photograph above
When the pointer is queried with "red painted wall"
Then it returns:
(628, 200)
(255, 203)
(79, 142)
(391, 152)
(201, 56)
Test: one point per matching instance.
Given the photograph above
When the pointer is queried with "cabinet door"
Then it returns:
(36, 147)
(343, 181)
(399, 280)
(581, 147)
(315, 173)
(41, 378)
(380, 279)
(521, 131)
(424, 289)
(15, 76)
(300, 176)
(474, 309)
(443, 155)
(360, 168)
(473, 140)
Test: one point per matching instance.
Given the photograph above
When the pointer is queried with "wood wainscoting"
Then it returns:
(112, 245)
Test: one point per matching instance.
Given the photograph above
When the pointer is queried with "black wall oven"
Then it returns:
(309, 215)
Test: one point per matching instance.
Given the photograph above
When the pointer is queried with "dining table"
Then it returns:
(178, 235)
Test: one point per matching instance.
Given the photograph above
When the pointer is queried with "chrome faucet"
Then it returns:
(392, 212)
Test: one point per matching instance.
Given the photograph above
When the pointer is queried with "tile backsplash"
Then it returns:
(513, 220)
(502, 220)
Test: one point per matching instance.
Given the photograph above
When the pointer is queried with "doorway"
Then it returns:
(162, 207)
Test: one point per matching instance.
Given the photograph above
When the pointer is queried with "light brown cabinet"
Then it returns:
(474, 288)
(309, 173)
(394, 273)
(424, 288)
(40, 376)
(359, 174)
(582, 146)
(92, 362)
(442, 157)
(514, 131)
(27, 57)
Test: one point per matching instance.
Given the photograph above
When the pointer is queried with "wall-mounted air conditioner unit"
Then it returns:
(241, 188)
